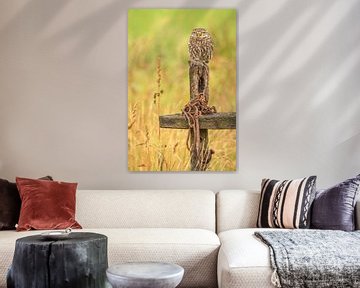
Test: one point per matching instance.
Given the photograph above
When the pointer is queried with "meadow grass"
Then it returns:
(158, 84)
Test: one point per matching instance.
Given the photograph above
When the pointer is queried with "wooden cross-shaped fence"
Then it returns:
(199, 84)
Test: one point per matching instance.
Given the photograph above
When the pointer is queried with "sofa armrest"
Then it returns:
(357, 215)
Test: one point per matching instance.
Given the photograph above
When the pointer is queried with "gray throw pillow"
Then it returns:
(334, 208)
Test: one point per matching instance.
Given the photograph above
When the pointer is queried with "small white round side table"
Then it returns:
(145, 275)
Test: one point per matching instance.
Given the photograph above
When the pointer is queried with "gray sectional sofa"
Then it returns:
(210, 235)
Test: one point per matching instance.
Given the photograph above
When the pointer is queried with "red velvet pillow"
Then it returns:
(10, 204)
(46, 204)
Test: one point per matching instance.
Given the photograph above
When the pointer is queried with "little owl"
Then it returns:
(200, 46)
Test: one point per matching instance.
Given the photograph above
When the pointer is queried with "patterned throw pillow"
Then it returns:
(286, 204)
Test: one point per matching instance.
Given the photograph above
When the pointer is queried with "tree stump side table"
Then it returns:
(78, 261)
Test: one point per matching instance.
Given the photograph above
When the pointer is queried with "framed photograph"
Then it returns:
(182, 90)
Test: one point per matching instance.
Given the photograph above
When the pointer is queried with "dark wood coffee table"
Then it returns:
(80, 261)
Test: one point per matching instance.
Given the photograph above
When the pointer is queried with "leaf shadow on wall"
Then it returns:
(280, 84)
(24, 19)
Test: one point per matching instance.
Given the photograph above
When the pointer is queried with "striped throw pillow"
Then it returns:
(286, 204)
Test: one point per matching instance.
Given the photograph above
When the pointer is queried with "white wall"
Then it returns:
(63, 92)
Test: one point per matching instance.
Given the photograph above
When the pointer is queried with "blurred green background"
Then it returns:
(158, 54)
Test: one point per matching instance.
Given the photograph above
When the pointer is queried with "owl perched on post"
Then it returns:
(200, 46)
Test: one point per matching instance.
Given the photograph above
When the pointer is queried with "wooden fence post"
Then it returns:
(200, 154)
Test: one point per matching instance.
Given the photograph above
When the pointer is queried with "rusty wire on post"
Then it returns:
(199, 151)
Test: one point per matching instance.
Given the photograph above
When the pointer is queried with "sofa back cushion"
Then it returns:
(236, 209)
(146, 209)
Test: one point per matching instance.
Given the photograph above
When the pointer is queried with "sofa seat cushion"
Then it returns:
(244, 261)
(194, 249)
